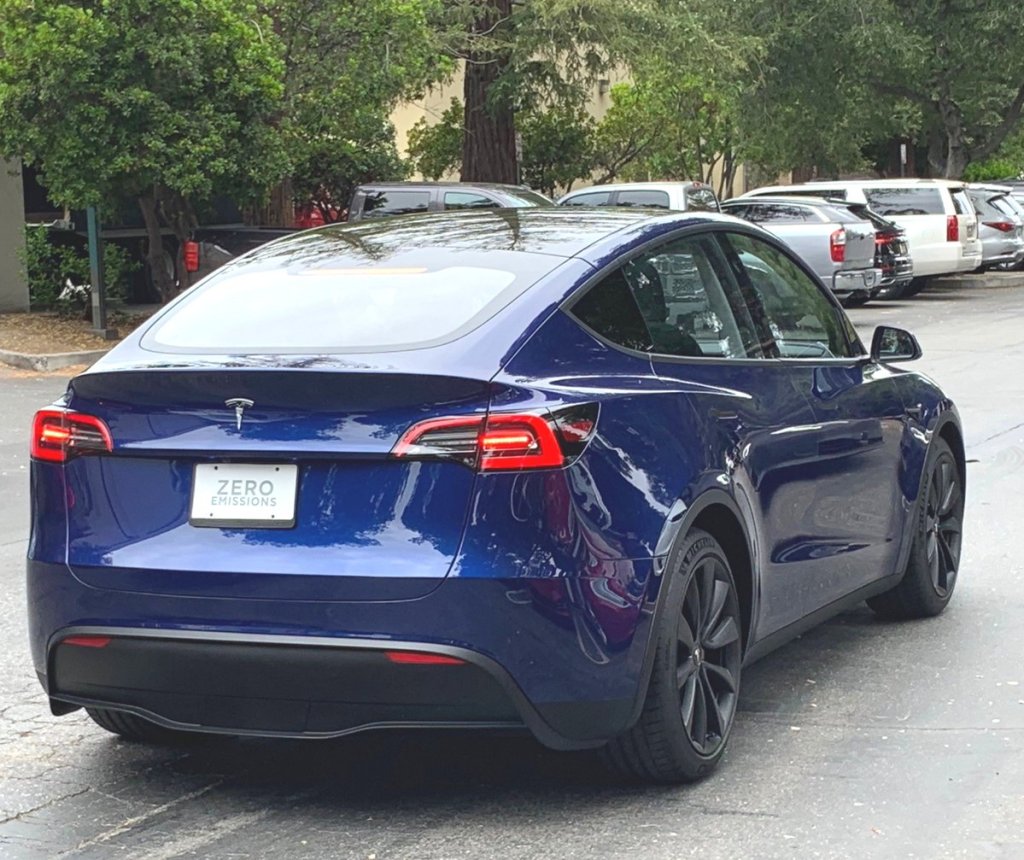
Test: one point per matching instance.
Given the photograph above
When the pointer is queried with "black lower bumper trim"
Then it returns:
(270, 689)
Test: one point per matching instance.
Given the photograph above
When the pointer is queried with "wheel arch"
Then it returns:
(951, 434)
(716, 512)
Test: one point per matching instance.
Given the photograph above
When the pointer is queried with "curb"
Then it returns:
(979, 281)
(52, 361)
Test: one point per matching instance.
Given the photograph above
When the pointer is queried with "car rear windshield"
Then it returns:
(889, 202)
(521, 198)
(337, 308)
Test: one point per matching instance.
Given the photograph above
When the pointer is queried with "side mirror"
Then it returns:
(894, 344)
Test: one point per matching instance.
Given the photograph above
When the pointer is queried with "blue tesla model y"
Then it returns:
(562, 470)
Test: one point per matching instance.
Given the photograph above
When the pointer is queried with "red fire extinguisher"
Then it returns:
(190, 250)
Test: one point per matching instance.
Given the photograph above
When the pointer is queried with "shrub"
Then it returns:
(50, 264)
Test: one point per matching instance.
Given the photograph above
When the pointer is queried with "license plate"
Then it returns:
(244, 495)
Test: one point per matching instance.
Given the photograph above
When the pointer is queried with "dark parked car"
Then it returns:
(404, 198)
(483, 469)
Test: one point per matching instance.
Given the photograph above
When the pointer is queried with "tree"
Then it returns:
(522, 56)
(162, 101)
(558, 148)
(346, 64)
(435, 149)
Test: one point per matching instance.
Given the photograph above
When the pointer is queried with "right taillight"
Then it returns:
(952, 228)
(59, 434)
(1001, 226)
(837, 245)
(502, 441)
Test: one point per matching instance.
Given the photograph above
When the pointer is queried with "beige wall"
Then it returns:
(13, 286)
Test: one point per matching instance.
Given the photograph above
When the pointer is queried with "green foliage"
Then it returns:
(435, 149)
(114, 99)
(50, 264)
(347, 63)
(558, 148)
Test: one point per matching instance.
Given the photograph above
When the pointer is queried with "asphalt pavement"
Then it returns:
(860, 739)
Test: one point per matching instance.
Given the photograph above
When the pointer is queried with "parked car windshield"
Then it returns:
(922, 200)
(339, 307)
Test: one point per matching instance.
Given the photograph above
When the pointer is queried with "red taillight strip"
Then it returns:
(87, 641)
(952, 228)
(1001, 226)
(422, 658)
(58, 434)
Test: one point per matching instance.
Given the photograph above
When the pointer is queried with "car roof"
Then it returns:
(412, 186)
(638, 186)
(909, 181)
(792, 199)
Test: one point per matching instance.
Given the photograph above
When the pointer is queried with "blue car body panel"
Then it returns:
(551, 576)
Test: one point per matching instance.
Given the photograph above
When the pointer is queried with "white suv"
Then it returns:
(683, 196)
(939, 220)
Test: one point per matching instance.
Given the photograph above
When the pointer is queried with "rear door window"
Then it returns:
(467, 200)
(782, 213)
(655, 199)
(591, 198)
(894, 202)
(384, 202)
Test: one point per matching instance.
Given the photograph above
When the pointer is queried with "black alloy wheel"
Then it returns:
(708, 657)
(691, 699)
(931, 573)
(943, 524)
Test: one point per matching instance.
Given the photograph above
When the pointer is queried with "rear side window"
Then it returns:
(467, 200)
(337, 307)
(893, 202)
(656, 199)
(961, 203)
(389, 202)
(781, 213)
(595, 198)
(610, 310)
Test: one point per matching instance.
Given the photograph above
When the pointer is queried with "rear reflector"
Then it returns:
(502, 441)
(952, 228)
(59, 434)
(87, 641)
(837, 245)
(421, 658)
(1001, 226)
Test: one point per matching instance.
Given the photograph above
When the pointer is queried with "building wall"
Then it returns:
(13, 286)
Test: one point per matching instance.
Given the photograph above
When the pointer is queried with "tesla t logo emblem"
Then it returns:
(239, 404)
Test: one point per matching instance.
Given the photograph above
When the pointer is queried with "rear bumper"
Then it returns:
(532, 658)
(847, 282)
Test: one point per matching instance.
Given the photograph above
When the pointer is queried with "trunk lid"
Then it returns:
(366, 527)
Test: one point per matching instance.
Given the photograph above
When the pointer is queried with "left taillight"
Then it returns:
(502, 441)
(837, 245)
(60, 434)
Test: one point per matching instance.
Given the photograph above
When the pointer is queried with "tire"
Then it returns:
(857, 300)
(892, 292)
(135, 728)
(928, 582)
(691, 699)
(914, 287)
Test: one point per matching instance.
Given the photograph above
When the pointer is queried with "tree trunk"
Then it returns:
(181, 218)
(277, 211)
(957, 153)
(489, 142)
(156, 259)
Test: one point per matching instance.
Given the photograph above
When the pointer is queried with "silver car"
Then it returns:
(835, 243)
(1000, 225)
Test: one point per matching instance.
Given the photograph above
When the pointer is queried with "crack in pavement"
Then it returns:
(19, 815)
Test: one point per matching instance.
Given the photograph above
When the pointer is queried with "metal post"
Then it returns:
(99, 289)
